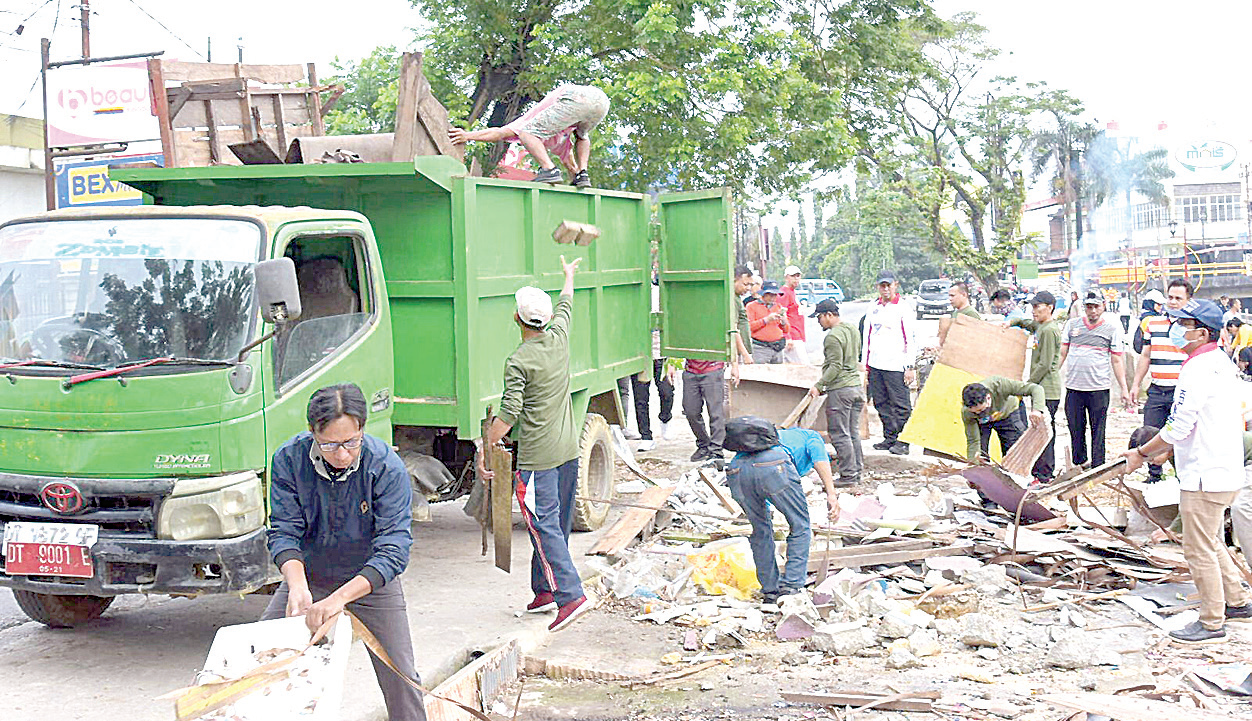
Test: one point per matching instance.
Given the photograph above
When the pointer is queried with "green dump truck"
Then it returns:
(153, 358)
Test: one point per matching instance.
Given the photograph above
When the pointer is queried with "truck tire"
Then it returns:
(595, 473)
(61, 611)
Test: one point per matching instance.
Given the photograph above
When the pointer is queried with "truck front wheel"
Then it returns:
(61, 611)
(595, 473)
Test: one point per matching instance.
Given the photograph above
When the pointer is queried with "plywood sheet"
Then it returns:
(936, 419)
(984, 349)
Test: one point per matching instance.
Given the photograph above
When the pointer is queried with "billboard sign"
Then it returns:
(87, 183)
(104, 103)
(1206, 154)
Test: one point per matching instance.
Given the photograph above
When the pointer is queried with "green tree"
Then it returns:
(961, 147)
(368, 103)
(1059, 148)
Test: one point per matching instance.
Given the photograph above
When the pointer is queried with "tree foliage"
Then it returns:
(368, 104)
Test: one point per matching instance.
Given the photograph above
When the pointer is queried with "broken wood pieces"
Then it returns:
(922, 701)
(880, 554)
(722, 497)
(572, 231)
(1129, 708)
(632, 522)
(1020, 459)
(421, 120)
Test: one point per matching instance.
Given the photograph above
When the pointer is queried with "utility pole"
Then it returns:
(49, 179)
(209, 48)
(240, 46)
(84, 10)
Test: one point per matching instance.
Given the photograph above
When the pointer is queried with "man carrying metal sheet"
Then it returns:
(536, 402)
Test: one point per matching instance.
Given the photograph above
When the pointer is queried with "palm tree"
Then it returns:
(1112, 169)
(1060, 149)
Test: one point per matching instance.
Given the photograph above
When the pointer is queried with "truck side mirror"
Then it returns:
(277, 291)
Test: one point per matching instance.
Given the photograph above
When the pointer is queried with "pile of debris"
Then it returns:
(905, 579)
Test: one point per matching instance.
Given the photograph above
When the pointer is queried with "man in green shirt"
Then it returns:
(1045, 370)
(995, 404)
(841, 382)
(958, 296)
(536, 402)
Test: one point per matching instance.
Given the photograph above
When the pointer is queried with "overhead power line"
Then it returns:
(166, 29)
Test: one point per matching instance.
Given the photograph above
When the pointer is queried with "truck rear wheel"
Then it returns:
(61, 611)
(595, 473)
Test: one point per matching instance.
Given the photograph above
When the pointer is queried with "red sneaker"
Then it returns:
(543, 603)
(569, 612)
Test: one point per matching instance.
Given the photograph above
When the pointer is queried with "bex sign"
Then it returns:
(88, 183)
(1206, 154)
(107, 103)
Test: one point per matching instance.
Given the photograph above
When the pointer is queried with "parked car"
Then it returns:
(932, 298)
(815, 290)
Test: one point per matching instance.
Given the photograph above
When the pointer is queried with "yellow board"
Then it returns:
(936, 420)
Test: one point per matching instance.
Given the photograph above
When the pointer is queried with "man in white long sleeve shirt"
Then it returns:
(889, 352)
(1205, 428)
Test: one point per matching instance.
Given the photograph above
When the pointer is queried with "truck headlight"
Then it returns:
(217, 507)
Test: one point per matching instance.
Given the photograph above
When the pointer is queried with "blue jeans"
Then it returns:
(547, 502)
(757, 480)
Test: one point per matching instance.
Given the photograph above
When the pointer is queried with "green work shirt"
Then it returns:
(841, 366)
(1045, 359)
(536, 400)
(1006, 395)
(745, 328)
(969, 311)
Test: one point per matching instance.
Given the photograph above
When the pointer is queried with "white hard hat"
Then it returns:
(792, 270)
(1155, 296)
(534, 307)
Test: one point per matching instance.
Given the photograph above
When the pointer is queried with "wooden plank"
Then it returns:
(500, 462)
(882, 547)
(861, 699)
(316, 111)
(1021, 458)
(1129, 708)
(406, 108)
(156, 86)
(280, 122)
(215, 139)
(1083, 482)
(631, 522)
(796, 412)
(433, 117)
(722, 497)
(887, 558)
(984, 349)
(177, 71)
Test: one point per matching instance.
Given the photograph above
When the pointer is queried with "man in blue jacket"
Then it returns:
(772, 477)
(340, 511)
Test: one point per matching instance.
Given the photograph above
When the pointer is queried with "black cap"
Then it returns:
(885, 276)
(1093, 297)
(825, 306)
(769, 286)
(1043, 297)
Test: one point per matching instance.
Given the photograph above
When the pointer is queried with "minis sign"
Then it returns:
(1206, 154)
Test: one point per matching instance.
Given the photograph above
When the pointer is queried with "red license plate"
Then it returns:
(48, 559)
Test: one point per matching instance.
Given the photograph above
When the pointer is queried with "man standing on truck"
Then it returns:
(536, 401)
(340, 515)
(889, 350)
(568, 109)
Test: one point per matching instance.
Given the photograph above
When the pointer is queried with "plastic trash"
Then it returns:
(725, 568)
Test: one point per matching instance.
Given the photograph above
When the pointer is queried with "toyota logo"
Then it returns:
(62, 497)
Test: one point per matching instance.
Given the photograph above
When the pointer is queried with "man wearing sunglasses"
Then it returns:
(1205, 432)
(340, 515)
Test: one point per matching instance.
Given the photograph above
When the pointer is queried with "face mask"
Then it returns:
(1178, 336)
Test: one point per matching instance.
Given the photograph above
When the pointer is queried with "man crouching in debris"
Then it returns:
(536, 402)
(340, 512)
(995, 404)
(766, 471)
(1205, 430)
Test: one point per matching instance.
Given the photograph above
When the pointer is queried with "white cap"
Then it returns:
(534, 306)
(792, 270)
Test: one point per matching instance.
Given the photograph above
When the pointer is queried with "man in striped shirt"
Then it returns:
(1160, 361)
(1092, 345)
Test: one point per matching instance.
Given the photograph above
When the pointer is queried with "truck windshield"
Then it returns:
(105, 292)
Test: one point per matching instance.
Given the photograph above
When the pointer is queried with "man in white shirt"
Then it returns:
(889, 349)
(1205, 429)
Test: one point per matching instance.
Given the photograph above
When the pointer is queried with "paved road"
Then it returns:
(851, 312)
